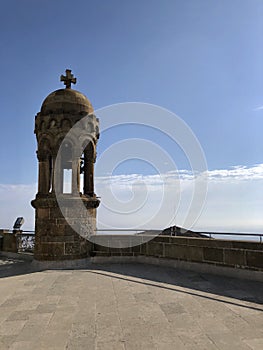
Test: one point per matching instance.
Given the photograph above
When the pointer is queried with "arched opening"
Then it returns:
(66, 167)
(50, 173)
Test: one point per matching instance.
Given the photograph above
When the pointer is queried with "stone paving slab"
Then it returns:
(127, 306)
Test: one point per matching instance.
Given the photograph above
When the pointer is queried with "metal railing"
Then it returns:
(208, 234)
(235, 234)
(25, 241)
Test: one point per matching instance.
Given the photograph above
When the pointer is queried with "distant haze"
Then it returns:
(234, 201)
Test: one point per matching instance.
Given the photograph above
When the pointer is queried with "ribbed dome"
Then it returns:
(66, 101)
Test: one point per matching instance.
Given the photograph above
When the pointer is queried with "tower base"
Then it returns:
(57, 227)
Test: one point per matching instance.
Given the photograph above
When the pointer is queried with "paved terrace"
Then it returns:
(126, 306)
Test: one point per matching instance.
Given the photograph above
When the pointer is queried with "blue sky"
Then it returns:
(200, 59)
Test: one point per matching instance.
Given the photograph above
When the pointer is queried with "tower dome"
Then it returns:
(66, 101)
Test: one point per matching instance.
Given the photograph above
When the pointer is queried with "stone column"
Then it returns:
(58, 175)
(75, 177)
(43, 176)
(88, 177)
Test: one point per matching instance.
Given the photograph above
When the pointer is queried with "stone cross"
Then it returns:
(68, 79)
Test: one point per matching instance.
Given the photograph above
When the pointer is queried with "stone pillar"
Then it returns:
(43, 176)
(75, 177)
(89, 170)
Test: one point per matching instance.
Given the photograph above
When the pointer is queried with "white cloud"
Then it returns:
(237, 173)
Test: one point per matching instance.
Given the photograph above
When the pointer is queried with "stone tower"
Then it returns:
(67, 132)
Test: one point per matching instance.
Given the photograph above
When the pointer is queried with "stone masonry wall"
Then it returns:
(8, 241)
(55, 239)
(238, 254)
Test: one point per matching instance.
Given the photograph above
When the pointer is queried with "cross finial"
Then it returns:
(68, 79)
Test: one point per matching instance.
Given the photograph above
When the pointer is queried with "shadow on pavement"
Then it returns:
(206, 286)
(15, 266)
(203, 285)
